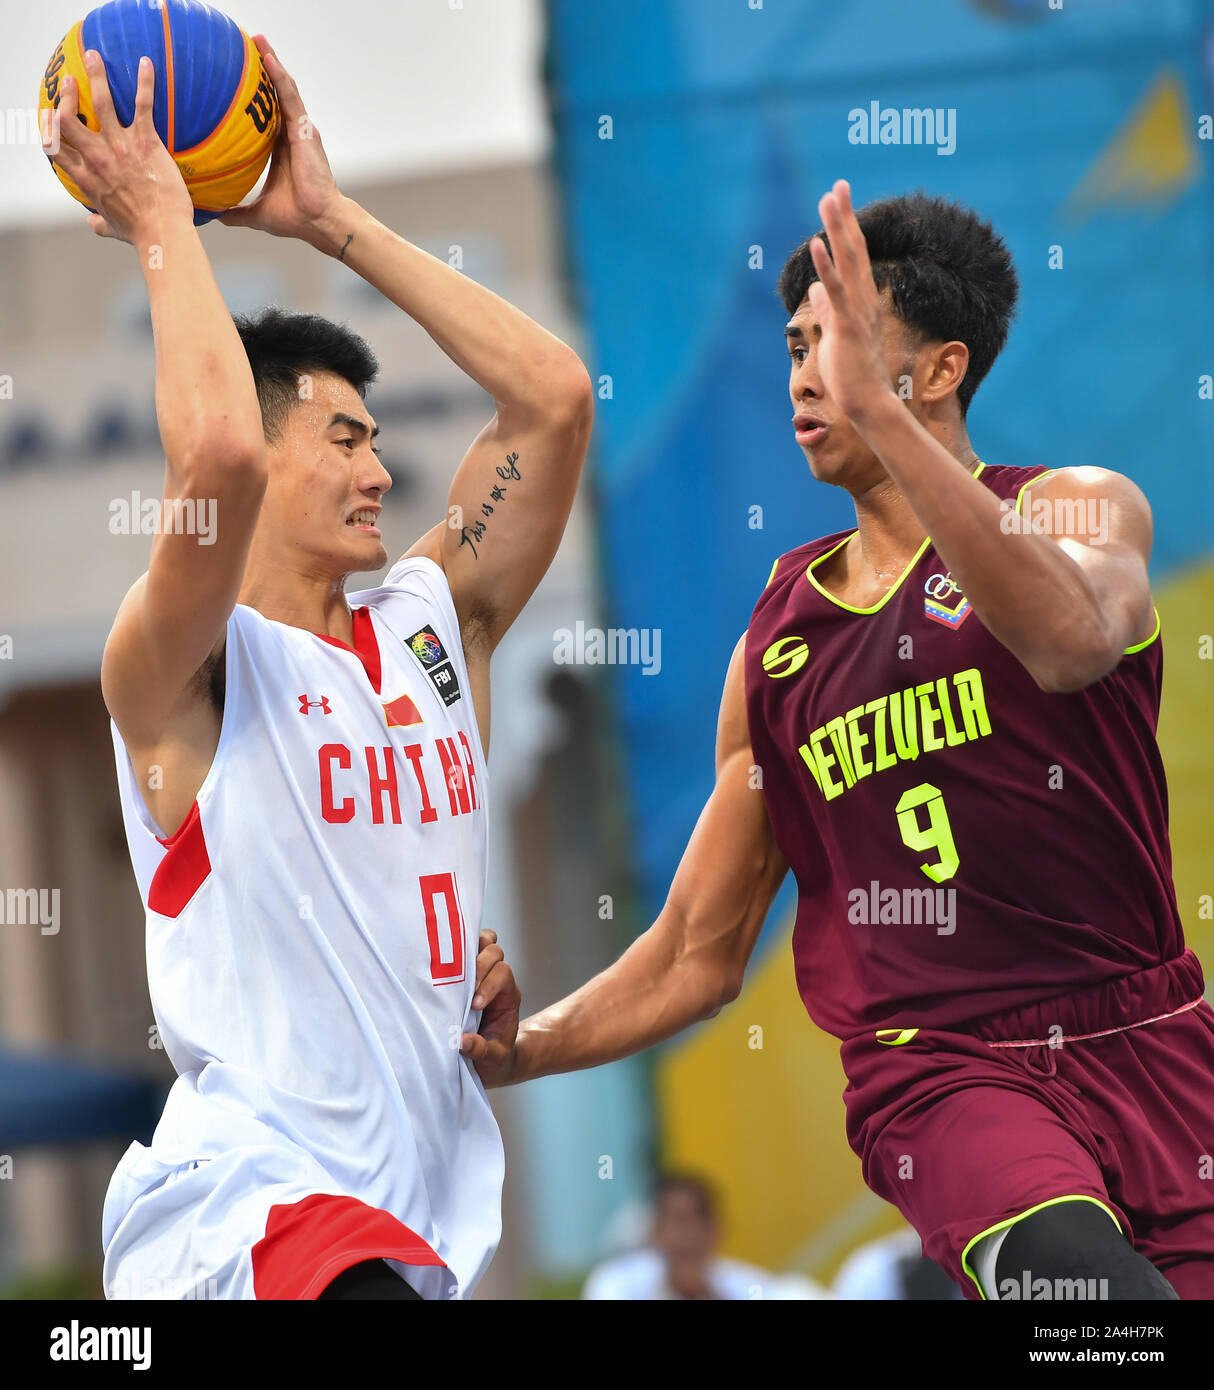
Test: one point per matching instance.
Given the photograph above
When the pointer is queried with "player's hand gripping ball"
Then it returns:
(215, 108)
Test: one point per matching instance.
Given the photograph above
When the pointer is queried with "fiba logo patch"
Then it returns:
(944, 602)
(426, 647)
(785, 657)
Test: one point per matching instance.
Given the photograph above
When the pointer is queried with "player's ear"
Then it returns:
(949, 364)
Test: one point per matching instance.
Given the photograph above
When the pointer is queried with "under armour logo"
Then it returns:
(306, 705)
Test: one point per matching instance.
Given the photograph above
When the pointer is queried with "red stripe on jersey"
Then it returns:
(183, 870)
(366, 645)
(308, 1243)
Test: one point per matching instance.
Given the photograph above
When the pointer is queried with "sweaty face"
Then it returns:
(835, 451)
(323, 498)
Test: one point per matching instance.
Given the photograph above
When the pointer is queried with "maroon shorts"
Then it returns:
(962, 1129)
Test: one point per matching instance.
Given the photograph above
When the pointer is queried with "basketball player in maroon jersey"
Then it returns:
(966, 723)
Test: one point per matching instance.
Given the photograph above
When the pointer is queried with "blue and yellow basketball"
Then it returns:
(215, 107)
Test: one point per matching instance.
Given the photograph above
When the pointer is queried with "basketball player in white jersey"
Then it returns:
(303, 771)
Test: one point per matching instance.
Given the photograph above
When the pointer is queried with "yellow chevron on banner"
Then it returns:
(1152, 158)
(1186, 602)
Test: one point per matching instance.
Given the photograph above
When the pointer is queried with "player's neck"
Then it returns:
(316, 603)
(889, 532)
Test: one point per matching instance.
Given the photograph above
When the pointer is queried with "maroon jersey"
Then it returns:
(963, 842)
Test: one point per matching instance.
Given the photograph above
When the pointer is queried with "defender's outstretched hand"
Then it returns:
(851, 357)
(492, 1049)
(300, 189)
(125, 172)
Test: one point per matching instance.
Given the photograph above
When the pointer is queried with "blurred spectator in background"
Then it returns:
(894, 1267)
(681, 1259)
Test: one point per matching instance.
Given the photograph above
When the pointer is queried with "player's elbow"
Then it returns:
(1076, 659)
(1067, 678)
(729, 986)
(557, 400)
(1073, 671)
(570, 395)
(719, 984)
(705, 986)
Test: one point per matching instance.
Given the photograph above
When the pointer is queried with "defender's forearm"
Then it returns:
(520, 364)
(206, 403)
(651, 993)
(1028, 592)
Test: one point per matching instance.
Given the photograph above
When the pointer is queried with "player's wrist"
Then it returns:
(878, 407)
(520, 1066)
(334, 229)
(160, 222)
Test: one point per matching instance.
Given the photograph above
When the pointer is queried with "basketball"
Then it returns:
(215, 108)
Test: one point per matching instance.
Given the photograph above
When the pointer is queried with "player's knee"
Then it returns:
(1077, 1247)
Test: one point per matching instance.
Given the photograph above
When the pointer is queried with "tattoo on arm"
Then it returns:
(341, 256)
(472, 535)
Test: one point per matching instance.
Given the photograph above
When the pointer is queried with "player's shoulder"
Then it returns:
(412, 576)
(415, 602)
(1087, 480)
(1008, 481)
(412, 573)
(1077, 499)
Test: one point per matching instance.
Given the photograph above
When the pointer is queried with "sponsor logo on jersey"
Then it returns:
(427, 648)
(785, 657)
(944, 602)
(429, 652)
(306, 706)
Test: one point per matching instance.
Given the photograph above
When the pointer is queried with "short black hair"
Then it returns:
(949, 273)
(702, 1190)
(282, 347)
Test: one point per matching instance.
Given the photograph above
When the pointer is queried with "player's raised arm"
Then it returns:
(206, 407)
(513, 491)
(1068, 596)
(691, 960)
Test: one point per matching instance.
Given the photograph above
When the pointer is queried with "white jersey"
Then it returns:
(311, 946)
(640, 1275)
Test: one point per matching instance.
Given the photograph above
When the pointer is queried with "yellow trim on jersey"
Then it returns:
(1138, 646)
(889, 593)
(1011, 1221)
(775, 565)
(894, 1037)
(1032, 482)
(885, 598)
